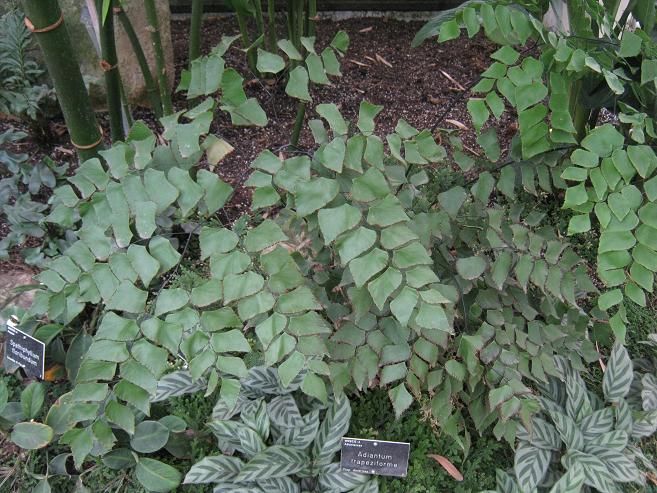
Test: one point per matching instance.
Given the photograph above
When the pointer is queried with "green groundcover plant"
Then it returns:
(343, 276)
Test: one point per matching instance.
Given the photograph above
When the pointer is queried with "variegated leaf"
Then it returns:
(251, 442)
(597, 423)
(300, 436)
(276, 461)
(264, 381)
(214, 469)
(645, 425)
(279, 485)
(649, 392)
(283, 411)
(624, 420)
(621, 468)
(596, 473)
(569, 431)
(577, 404)
(505, 482)
(254, 415)
(571, 482)
(618, 375)
(372, 486)
(331, 431)
(542, 435)
(530, 465)
(616, 439)
(175, 384)
(333, 478)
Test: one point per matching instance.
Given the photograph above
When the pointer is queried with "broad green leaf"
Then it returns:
(315, 194)
(157, 476)
(269, 63)
(297, 85)
(31, 436)
(334, 222)
(471, 267)
(149, 436)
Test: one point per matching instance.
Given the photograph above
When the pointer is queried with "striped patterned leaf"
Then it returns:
(223, 410)
(542, 435)
(649, 392)
(505, 482)
(596, 473)
(571, 482)
(332, 429)
(616, 439)
(372, 486)
(645, 425)
(214, 469)
(226, 431)
(530, 465)
(251, 442)
(300, 436)
(567, 428)
(237, 488)
(577, 405)
(618, 375)
(276, 461)
(624, 420)
(176, 384)
(283, 411)
(254, 415)
(333, 478)
(264, 381)
(279, 485)
(621, 468)
(597, 423)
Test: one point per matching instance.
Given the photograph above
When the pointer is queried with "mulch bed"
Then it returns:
(380, 66)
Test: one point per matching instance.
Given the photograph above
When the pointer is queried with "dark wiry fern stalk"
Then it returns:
(110, 65)
(154, 26)
(44, 16)
(195, 31)
(152, 89)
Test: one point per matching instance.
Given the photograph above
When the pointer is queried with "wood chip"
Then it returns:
(366, 29)
(360, 64)
(448, 466)
(456, 123)
(452, 80)
(383, 60)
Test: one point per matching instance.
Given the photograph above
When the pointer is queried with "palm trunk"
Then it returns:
(271, 14)
(154, 25)
(109, 64)
(195, 31)
(65, 73)
(152, 90)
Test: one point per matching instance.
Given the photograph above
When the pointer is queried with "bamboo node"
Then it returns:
(89, 146)
(117, 10)
(51, 27)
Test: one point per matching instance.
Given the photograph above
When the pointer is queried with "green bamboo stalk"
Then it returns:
(109, 64)
(195, 31)
(290, 20)
(152, 91)
(246, 41)
(154, 26)
(127, 112)
(271, 13)
(259, 20)
(298, 123)
(310, 19)
(300, 22)
(65, 74)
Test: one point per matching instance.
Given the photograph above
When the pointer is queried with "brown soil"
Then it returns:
(414, 88)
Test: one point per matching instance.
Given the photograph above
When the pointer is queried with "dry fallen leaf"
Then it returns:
(602, 364)
(361, 64)
(448, 466)
(366, 29)
(370, 58)
(453, 81)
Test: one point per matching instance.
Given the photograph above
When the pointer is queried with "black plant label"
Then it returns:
(375, 457)
(25, 351)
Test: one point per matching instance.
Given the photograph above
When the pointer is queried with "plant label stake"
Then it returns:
(375, 457)
(25, 351)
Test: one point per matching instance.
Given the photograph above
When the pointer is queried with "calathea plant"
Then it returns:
(274, 440)
(580, 442)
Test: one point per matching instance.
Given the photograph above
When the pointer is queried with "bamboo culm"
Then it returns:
(311, 18)
(66, 77)
(110, 65)
(152, 90)
(154, 25)
(195, 31)
(246, 41)
(271, 14)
